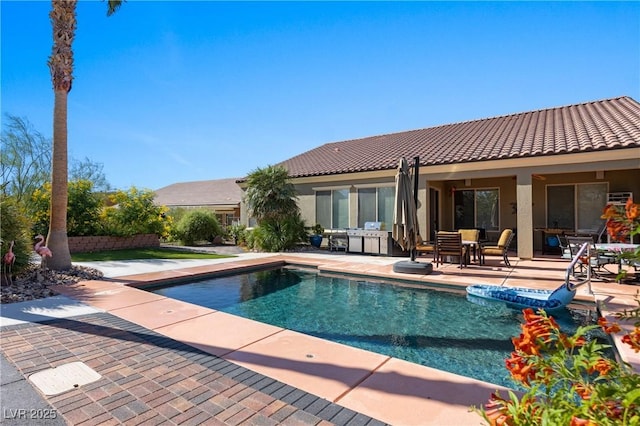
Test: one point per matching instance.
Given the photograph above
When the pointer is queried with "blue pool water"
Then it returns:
(436, 328)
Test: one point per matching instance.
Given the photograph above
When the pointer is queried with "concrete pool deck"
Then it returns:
(375, 386)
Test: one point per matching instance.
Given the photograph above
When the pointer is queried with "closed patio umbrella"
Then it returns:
(405, 219)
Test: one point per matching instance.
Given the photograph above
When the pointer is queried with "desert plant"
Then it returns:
(270, 195)
(197, 225)
(238, 233)
(250, 238)
(14, 227)
(272, 200)
(279, 235)
(25, 159)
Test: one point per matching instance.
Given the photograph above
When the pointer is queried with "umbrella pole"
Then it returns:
(416, 170)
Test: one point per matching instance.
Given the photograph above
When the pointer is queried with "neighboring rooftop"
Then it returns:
(220, 192)
(593, 126)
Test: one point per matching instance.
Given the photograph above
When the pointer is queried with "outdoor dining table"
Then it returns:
(616, 248)
(471, 244)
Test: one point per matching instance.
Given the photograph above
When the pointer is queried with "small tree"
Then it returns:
(25, 159)
(198, 225)
(133, 212)
(270, 194)
(90, 171)
(272, 200)
(83, 214)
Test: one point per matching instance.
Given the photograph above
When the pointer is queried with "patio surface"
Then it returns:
(170, 362)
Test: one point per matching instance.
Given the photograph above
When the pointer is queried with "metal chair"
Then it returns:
(425, 247)
(564, 246)
(595, 261)
(500, 249)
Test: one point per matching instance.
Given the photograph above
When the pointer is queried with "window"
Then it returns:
(376, 205)
(367, 211)
(577, 207)
(476, 208)
(332, 208)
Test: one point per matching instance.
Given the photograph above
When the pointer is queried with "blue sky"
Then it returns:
(176, 91)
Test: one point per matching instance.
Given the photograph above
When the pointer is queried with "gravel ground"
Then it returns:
(33, 282)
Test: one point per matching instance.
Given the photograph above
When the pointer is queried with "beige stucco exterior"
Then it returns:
(521, 182)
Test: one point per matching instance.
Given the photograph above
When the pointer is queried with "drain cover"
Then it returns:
(64, 378)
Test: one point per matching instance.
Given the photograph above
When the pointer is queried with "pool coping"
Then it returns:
(393, 391)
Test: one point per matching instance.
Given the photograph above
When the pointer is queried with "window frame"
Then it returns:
(576, 203)
(378, 208)
(332, 191)
(475, 208)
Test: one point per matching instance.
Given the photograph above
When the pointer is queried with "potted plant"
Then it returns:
(316, 235)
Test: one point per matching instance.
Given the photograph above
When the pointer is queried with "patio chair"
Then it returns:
(596, 261)
(564, 246)
(424, 247)
(450, 244)
(500, 249)
(473, 236)
(338, 241)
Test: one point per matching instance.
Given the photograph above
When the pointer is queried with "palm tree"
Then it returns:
(272, 200)
(63, 21)
(270, 195)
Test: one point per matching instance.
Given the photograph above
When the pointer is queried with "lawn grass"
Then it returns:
(143, 253)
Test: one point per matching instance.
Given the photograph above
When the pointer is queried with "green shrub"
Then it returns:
(197, 225)
(14, 227)
(250, 238)
(133, 212)
(83, 209)
(39, 206)
(238, 233)
(279, 235)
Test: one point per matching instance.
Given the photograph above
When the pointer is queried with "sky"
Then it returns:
(180, 91)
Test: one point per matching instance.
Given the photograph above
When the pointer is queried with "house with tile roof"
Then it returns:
(222, 196)
(537, 172)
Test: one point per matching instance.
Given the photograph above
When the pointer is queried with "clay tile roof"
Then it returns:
(592, 126)
(221, 192)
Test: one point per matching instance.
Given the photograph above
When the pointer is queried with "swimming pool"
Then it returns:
(428, 326)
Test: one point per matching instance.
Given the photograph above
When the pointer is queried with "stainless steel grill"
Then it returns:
(370, 240)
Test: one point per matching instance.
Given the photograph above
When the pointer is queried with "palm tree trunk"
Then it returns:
(57, 240)
(63, 22)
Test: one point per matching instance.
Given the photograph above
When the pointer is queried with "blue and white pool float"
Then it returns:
(519, 297)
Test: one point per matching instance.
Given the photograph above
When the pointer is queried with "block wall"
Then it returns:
(100, 243)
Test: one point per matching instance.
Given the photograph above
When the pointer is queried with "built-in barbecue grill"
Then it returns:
(370, 239)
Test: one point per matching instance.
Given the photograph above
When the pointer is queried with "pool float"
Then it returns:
(519, 297)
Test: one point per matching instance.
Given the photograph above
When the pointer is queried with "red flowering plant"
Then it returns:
(623, 223)
(567, 380)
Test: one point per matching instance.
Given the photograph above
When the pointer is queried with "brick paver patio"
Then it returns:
(148, 378)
